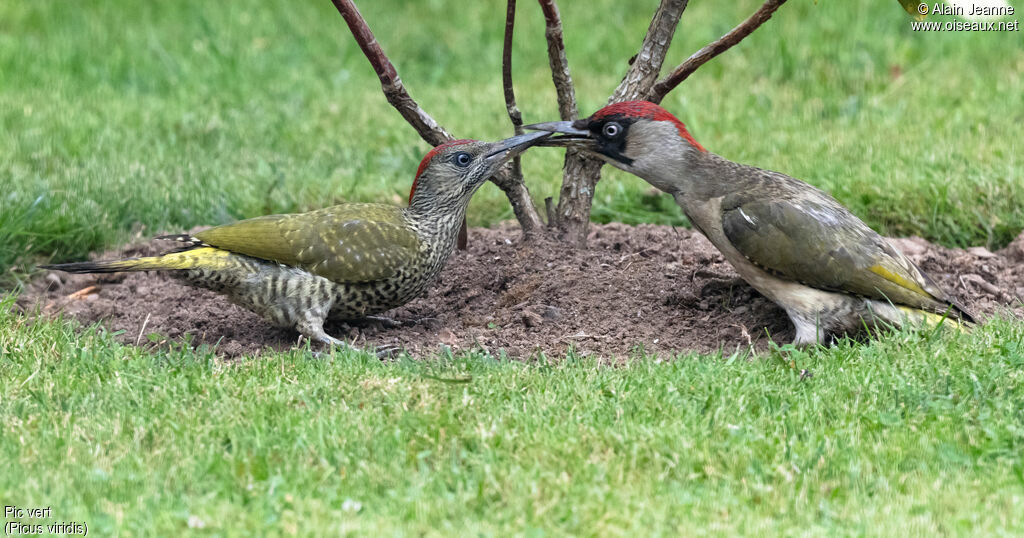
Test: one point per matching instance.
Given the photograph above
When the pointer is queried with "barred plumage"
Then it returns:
(347, 261)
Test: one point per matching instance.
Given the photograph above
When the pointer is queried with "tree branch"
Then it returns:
(510, 179)
(506, 70)
(428, 129)
(646, 65)
(564, 88)
(391, 84)
(702, 56)
(581, 173)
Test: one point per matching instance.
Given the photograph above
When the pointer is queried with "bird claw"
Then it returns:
(329, 344)
(384, 322)
(388, 351)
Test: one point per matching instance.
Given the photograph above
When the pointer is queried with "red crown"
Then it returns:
(648, 110)
(430, 155)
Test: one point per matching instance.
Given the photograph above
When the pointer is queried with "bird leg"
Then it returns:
(312, 326)
(809, 332)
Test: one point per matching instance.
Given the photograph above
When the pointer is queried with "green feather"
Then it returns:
(343, 243)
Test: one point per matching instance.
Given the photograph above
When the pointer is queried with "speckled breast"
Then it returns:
(358, 300)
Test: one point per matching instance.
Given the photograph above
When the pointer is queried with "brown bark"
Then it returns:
(581, 173)
(564, 88)
(512, 183)
(391, 84)
(572, 215)
(648, 61)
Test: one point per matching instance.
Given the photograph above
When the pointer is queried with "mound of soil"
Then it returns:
(664, 289)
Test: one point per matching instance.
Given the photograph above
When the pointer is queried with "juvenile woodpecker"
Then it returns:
(792, 242)
(344, 262)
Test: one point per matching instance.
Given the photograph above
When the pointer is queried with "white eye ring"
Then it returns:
(462, 159)
(611, 129)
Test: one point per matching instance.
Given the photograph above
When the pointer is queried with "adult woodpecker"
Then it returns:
(344, 262)
(792, 242)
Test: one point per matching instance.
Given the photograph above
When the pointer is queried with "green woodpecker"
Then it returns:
(343, 262)
(792, 242)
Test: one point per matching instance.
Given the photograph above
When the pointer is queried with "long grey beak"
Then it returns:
(561, 127)
(571, 136)
(510, 147)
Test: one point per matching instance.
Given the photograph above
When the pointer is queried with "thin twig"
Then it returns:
(585, 335)
(702, 56)
(510, 179)
(89, 290)
(573, 213)
(581, 172)
(514, 115)
(428, 129)
(390, 82)
(564, 88)
(506, 70)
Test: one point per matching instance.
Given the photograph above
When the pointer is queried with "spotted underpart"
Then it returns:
(348, 261)
(291, 296)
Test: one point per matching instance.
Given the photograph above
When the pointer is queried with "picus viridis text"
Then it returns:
(348, 261)
(792, 242)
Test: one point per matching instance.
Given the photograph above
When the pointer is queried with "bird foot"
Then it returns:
(385, 322)
(378, 321)
(388, 351)
(330, 344)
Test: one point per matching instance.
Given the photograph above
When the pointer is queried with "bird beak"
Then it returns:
(510, 147)
(572, 136)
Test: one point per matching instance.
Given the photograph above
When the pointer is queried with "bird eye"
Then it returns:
(462, 159)
(611, 129)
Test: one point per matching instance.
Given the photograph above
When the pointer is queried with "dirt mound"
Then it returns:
(664, 289)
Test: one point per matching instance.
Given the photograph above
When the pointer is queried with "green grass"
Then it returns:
(121, 117)
(911, 433)
(196, 113)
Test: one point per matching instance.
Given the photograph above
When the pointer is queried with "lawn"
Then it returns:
(120, 118)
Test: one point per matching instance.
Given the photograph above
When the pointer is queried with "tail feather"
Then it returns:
(204, 257)
(956, 318)
(963, 312)
(187, 239)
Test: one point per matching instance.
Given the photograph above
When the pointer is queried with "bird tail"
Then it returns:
(954, 319)
(196, 258)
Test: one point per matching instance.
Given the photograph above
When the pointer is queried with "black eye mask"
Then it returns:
(612, 146)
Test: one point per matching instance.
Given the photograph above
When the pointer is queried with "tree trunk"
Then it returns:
(576, 197)
(571, 218)
(582, 173)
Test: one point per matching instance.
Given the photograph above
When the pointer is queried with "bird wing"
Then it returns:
(343, 243)
(806, 236)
